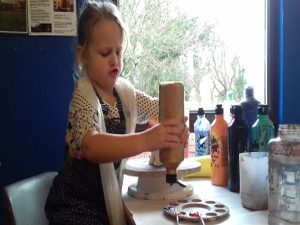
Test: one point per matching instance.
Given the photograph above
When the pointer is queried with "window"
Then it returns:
(212, 46)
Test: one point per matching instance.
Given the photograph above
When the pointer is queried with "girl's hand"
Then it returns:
(168, 134)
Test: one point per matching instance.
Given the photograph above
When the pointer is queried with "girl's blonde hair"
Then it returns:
(92, 12)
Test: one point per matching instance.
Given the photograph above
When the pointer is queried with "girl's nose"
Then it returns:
(114, 60)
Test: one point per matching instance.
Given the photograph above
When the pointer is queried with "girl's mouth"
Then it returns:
(115, 72)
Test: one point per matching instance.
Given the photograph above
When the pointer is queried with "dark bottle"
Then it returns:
(231, 114)
(250, 108)
(237, 143)
(262, 131)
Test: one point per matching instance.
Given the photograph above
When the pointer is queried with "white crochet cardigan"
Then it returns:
(112, 180)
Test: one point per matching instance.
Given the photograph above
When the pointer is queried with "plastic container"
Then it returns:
(218, 148)
(254, 180)
(202, 134)
(262, 131)
(237, 143)
(284, 176)
(171, 105)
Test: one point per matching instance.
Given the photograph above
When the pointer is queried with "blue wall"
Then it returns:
(289, 100)
(36, 83)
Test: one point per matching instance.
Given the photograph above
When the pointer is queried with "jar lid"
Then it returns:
(290, 130)
(295, 127)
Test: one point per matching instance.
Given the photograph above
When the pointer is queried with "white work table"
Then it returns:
(151, 212)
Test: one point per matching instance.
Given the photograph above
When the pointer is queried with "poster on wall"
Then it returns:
(13, 17)
(52, 17)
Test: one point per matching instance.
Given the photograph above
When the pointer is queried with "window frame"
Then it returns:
(273, 59)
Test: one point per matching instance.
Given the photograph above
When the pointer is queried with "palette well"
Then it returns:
(194, 208)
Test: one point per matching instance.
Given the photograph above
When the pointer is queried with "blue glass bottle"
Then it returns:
(202, 134)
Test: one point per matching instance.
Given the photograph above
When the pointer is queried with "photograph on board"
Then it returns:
(13, 16)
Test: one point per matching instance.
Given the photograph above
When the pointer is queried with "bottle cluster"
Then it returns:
(248, 130)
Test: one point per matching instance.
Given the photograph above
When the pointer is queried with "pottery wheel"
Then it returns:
(152, 183)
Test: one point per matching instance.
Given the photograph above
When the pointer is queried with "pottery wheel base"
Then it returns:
(154, 188)
(152, 183)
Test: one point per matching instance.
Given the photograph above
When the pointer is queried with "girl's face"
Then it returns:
(102, 57)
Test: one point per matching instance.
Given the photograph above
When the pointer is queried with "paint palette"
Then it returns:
(194, 208)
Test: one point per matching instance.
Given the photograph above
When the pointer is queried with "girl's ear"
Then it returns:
(81, 56)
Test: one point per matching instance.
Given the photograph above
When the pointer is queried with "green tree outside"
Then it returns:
(167, 45)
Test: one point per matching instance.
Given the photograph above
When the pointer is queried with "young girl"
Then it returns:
(102, 117)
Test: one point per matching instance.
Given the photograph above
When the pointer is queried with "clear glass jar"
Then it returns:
(284, 176)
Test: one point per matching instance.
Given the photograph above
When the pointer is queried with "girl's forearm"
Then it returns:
(104, 147)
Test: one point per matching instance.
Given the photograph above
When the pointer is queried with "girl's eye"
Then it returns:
(104, 54)
(107, 53)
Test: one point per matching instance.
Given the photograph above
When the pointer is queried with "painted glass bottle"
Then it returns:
(218, 148)
(262, 131)
(202, 134)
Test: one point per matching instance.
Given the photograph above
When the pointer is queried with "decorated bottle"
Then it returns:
(218, 148)
(202, 134)
(262, 131)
